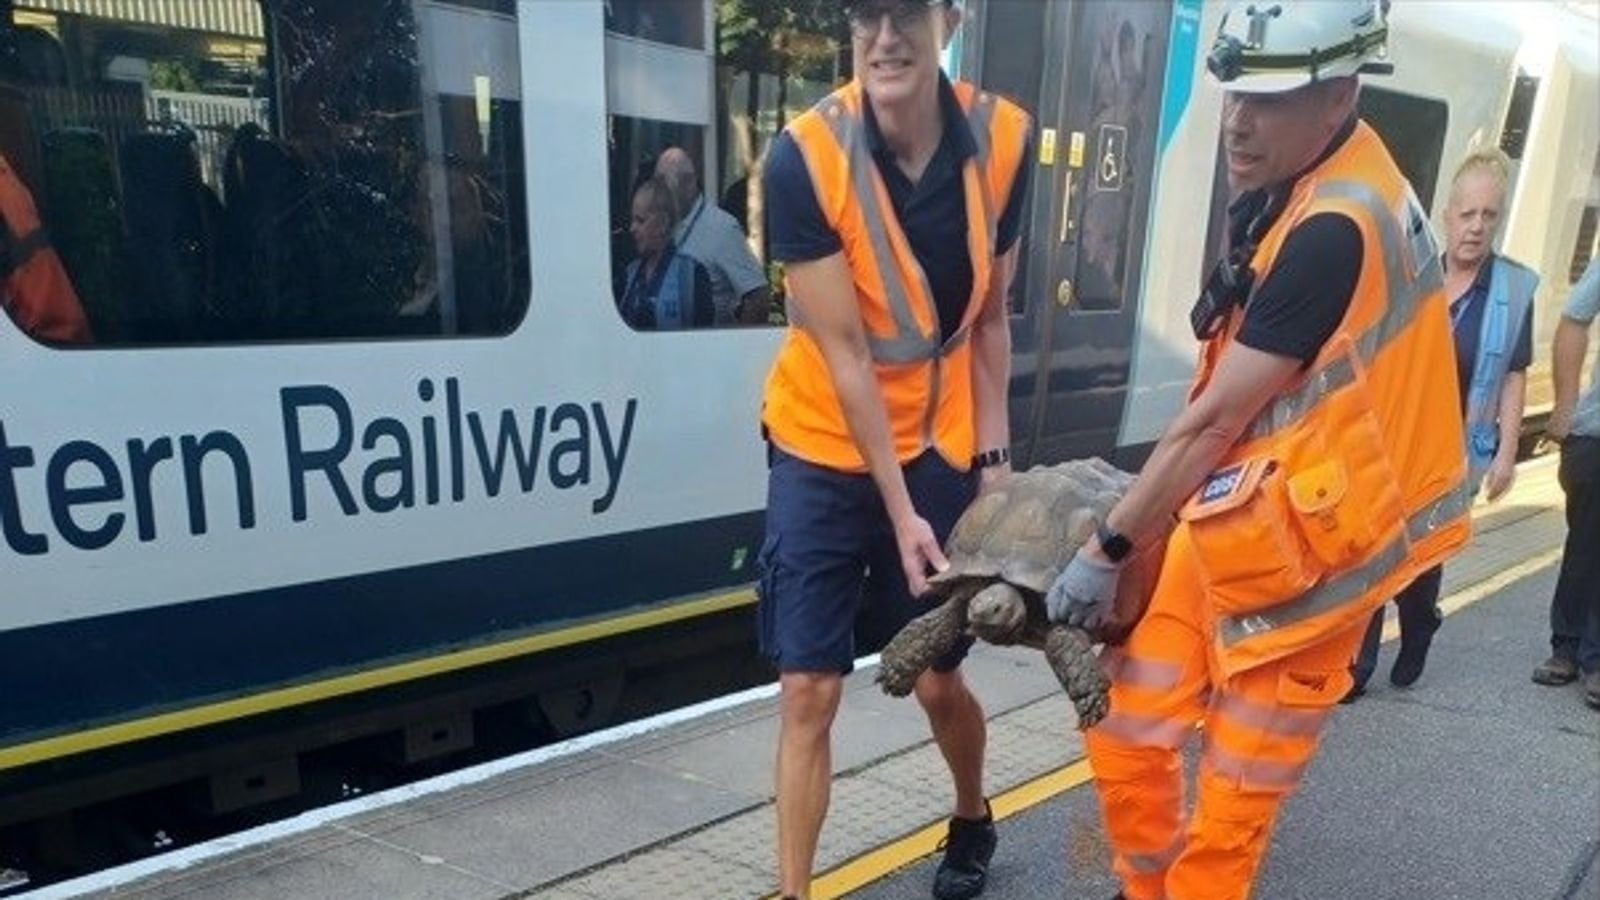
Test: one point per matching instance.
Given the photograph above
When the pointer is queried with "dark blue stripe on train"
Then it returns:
(79, 674)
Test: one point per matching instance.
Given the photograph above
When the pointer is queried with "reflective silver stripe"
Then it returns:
(1253, 772)
(1291, 407)
(1445, 509)
(979, 119)
(1153, 674)
(1318, 600)
(909, 343)
(1280, 720)
(1406, 292)
(1448, 508)
(901, 350)
(1151, 863)
(1145, 731)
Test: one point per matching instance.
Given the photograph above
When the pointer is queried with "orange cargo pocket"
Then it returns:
(1313, 690)
(1248, 548)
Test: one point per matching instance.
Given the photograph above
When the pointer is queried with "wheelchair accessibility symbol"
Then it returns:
(1110, 157)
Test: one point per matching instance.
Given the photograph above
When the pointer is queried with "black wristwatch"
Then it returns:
(1114, 545)
(997, 457)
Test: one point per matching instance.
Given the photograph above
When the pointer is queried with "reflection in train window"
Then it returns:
(722, 107)
(1413, 129)
(238, 170)
(1588, 242)
(677, 22)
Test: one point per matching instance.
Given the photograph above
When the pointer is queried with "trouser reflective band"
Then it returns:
(1151, 674)
(1257, 773)
(1278, 720)
(1150, 863)
(1145, 731)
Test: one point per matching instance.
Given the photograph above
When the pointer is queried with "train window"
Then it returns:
(1413, 129)
(1588, 242)
(1519, 112)
(1583, 249)
(1013, 58)
(677, 22)
(688, 247)
(251, 170)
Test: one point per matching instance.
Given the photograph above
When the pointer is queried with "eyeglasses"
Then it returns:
(866, 17)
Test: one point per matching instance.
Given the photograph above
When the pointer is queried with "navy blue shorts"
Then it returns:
(829, 548)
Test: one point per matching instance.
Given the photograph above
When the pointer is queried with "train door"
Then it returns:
(1076, 302)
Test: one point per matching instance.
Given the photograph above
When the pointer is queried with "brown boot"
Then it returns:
(1591, 689)
(1556, 670)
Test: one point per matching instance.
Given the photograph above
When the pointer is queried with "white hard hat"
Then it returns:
(1269, 46)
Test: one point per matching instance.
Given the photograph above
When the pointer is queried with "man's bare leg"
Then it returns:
(960, 731)
(804, 776)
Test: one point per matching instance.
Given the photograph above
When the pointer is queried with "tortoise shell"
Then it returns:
(1026, 531)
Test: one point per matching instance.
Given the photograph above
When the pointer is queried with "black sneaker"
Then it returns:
(968, 846)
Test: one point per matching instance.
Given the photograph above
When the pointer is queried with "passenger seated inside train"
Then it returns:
(662, 289)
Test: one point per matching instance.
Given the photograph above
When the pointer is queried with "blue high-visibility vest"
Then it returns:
(1511, 288)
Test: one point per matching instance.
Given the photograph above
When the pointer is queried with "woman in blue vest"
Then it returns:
(1491, 313)
(662, 288)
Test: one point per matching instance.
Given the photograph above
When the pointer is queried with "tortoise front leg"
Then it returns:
(1071, 657)
(922, 641)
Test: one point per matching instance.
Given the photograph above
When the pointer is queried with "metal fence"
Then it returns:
(241, 18)
(213, 120)
(120, 110)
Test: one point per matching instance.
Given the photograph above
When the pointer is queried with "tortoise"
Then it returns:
(1004, 552)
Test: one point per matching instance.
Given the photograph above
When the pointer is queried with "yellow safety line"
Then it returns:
(269, 701)
(875, 864)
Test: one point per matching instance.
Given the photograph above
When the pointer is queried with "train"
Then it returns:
(358, 443)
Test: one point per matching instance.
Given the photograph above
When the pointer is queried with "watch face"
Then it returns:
(1115, 545)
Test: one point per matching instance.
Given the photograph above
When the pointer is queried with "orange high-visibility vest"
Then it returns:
(926, 384)
(1351, 482)
(34, 287)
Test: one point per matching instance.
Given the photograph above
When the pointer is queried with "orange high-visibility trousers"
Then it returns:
(1260, 730)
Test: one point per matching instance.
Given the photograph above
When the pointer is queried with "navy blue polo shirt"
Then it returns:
(932, 211)
(1466, 318)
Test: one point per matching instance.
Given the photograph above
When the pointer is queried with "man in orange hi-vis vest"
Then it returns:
(1316, 469)
(894, 205)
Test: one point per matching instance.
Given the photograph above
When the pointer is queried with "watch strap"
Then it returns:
(1114, 545)
(996, 457)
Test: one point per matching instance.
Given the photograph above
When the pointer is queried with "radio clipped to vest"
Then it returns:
(1312, 502)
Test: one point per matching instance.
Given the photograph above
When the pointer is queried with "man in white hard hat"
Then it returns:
(1317, 468)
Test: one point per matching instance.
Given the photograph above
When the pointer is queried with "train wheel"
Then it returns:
(578, 708)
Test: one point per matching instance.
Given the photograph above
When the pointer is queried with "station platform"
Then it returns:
(1475, 784)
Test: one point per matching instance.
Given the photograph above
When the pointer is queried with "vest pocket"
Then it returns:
(1343, 490)
(1249, 549)
(1332, 529)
